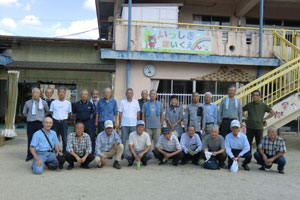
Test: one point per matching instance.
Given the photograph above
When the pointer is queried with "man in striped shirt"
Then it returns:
(168, 147)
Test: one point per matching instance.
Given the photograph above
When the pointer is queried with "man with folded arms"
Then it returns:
(191, 146)
(108, 145)
(42, 151)
(168, 147)
(237, 146)
(79, 148)
(271, 150)
(139, 145)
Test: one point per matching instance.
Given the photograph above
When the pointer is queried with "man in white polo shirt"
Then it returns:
(60, 110)
(129, 113)
(139, 145)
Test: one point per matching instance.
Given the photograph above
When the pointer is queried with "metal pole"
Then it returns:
(128, 44)
(261, 21)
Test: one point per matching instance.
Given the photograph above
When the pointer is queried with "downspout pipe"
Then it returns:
(261, 21)
(128, 44)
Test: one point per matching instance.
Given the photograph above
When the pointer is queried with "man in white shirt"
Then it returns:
(60, 111)
(139, 145)
(129, 113)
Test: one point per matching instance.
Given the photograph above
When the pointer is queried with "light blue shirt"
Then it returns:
(211, 113)
(106, 110)
(171, 145)
(105, 143)
(188, 143)
(40, 143)
(239, 142)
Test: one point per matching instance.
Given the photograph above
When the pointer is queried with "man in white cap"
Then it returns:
(237, 145)
(108, 145)
(139, 145)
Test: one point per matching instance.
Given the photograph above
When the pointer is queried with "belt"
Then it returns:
(79, 120)
(34, 121)
(64, 120)
(230, 119)
(46, 151)
(209, 123)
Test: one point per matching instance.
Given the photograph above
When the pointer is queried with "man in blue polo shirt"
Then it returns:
(42, 151)
(107, 109)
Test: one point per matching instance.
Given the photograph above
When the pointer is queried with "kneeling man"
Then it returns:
(237, 146)
(108, 145)
(168, 147)
(139, 145)
(44, 148)
(79, 148)
(271, 150)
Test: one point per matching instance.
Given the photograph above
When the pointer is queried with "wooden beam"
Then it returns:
(245, 6)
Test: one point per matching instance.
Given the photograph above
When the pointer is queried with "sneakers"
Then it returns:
(130, 164)
(175, 164)
(183, 162)
(281, 171)
(161, 163)
(70, 167)
(246, 167)
(117, 165)
(84, 167)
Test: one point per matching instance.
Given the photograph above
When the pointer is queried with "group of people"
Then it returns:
(102, 130)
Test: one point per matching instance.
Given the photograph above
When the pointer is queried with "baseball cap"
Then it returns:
(108, 124)
(166, 130)
(140, 122)
(235, 123)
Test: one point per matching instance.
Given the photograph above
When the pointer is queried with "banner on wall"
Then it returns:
(176, 40)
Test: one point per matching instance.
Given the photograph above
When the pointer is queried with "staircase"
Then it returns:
(280, 88)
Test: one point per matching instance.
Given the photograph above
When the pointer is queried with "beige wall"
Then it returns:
(166, 70)
(220, 45)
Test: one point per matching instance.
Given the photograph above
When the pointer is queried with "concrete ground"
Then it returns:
(151, 182)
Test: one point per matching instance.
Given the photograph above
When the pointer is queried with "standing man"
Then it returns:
(168, 147)
(256, 121)
(144, 99)
(139, 145)
(108, 145)
(129, 113)
(60, 111)
(271, 150)
(191, 146)
(153, 116)
(237, 146)
(94, 100)
(79, 148)
(107, 109)
(35, 111)
(174, 116)
(83, 112)
(48, 94)
(211, 113)
(44, 148)
(195, 115)
(215, 144)
(230, 109)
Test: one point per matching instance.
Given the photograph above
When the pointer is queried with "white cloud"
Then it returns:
(8, 23)
(27, 7)
(80, 26)
(2, 32)
(31, 19)
(89, 4)
(10, 3)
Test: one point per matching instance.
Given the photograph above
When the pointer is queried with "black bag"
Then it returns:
(211, 164)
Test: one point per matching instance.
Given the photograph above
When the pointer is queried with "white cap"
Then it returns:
(235, 123)
(108, 124)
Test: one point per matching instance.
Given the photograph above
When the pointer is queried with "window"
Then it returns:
(211, 20)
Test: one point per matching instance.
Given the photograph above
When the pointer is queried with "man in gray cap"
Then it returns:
(139, 145)
(168, 147)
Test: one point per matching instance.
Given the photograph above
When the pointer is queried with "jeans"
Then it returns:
(251, 133)
(236, 152)
(154, 134)
(32, 127)
(61, 128)
(71, 159)
(126, 130)
(195, 158)
(45, 157)
(174, 158)
(280, 161)
(147, 156)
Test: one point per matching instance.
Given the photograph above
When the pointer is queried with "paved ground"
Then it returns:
(151, 182)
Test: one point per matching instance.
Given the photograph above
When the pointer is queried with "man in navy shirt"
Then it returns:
(83, 112)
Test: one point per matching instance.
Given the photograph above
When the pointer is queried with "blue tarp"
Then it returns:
(4, 60)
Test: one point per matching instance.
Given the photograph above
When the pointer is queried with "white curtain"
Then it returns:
(11, 104)
(154, 84)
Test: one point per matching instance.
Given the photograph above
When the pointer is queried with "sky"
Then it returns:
(49, 18)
